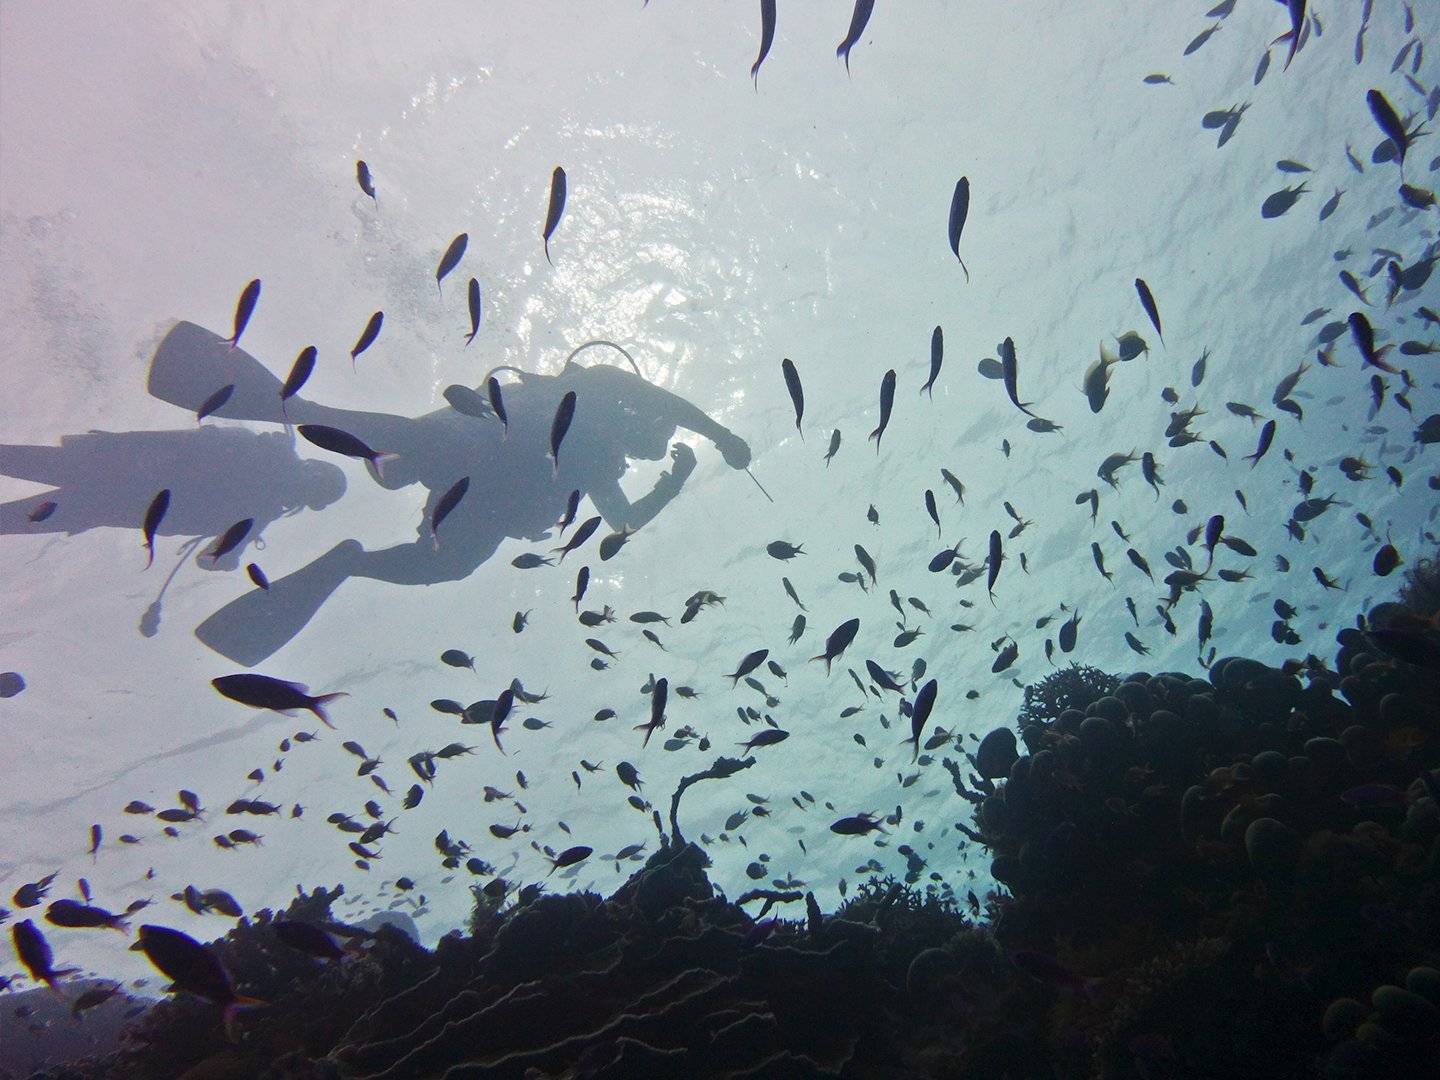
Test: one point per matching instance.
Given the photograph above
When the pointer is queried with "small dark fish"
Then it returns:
(556, 208)
(919, 713)
(448, 502)
(214, 402)
(790, 592)
(299, 374)
(1010, 367)
(930, 509)
(611, 545)
(244, 308)
(767, 737)
(858, 18)
(1158, 79)
(867, 562)
(1262, 67)
(154, 515)
(783, 549)
(797, 395)
(954, 482)
(264, 692)
(1068, 631)
(1147, 301)
(767, 38)
(569, 857)
(937, 353)
(1267, 436)
(583, 533)
(1364, 335)
(35, 953)
(887, 400)
(572, 507)
(451, 259)
(797, 628)
(834, 446)
(257, 576)
(42, 511)
(750, 663)
(467, 402)
(363, 178)
(959, 211)
(993, 564)
(192, 967)
(564, 413)
(530, 560)
(582, 582)
(77, 916)
(1331, 204)
(474, 298)
(1277, 203)
(1389, 121)
(1386, 560)
(1296, 9)
(456, 658)
(1201, 38)
(838, 641)
(307, 938)
(231, 539)
(1197, 373)
(342, 442)
(658, 697)
(492, 387)
(858, 825)
(368, 335)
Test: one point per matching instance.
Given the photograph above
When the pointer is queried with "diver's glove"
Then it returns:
(734, 449)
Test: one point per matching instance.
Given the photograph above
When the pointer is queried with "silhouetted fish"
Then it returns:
(937, 352)
(474, 300)
(299, 373)
(887, 400)
(767, 38)
(556, 208)
(564, 413)
(362, 177)
(797, 394)
(368, 335)
(447, 503)
(451, 259)
(154, 515)
(858, 18)
(959, 211)
(263, 692)
(244, 308)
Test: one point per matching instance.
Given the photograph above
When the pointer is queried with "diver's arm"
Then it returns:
(620, 513)
(686, 415)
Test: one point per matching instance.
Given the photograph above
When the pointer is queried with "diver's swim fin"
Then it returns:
(191, 363)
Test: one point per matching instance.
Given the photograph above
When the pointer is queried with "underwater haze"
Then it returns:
(715, 220)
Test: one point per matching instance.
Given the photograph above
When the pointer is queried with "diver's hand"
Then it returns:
(684, 459)
(735, 450)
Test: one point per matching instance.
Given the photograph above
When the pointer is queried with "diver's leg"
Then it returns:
(420, 563)
(42, 464)
(253, 627)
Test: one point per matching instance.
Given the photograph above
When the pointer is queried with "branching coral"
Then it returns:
(1073, 687)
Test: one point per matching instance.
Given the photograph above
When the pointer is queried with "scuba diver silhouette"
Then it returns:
(217, 476)
(514, 491)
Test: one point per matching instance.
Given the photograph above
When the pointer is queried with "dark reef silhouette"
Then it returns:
(1221, 876)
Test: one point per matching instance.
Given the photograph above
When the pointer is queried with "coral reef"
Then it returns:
(1230, 876)
(1073, 687)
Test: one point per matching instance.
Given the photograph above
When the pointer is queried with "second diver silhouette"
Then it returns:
(514, 492)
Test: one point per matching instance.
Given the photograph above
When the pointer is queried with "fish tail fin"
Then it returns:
(318, 706)
(150, 560)
(965, 268)
(547, 240)
(232, 1012)
(470, 336)
(378, 463)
